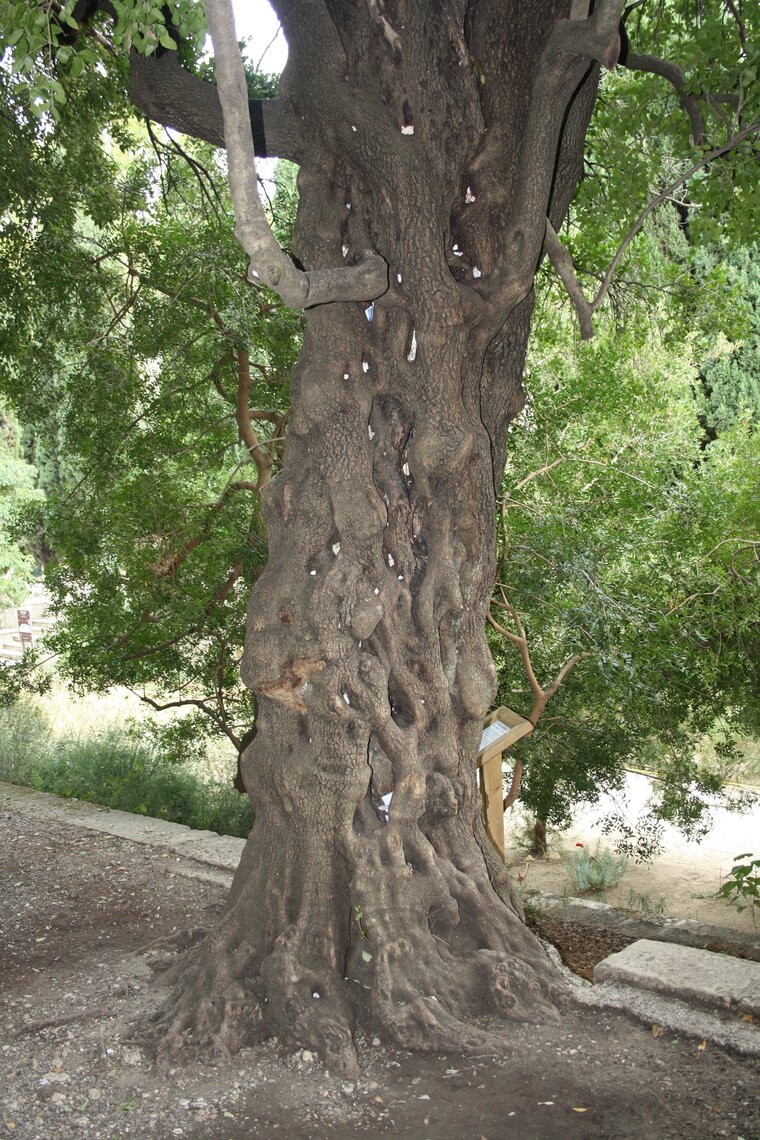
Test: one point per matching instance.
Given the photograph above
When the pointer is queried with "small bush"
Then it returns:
(646, 905)
(595, 872)
(742, 885)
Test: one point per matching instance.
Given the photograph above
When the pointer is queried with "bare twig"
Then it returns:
(67, 1019)
(541, 696)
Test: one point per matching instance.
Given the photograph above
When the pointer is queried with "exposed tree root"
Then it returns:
(422, 985)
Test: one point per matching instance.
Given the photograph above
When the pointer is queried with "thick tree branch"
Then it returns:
(168, 94)
(563, 264)
(571, 47)
(270, 265)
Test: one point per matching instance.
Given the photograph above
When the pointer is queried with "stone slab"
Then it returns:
(222, 851)
(205, 846)
(681, 972)
(677, 1018)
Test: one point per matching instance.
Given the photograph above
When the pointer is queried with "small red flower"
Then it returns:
(580, 845)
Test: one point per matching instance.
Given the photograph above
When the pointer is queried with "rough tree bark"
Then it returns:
(441, 136)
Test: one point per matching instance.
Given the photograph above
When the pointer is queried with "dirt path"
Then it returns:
(680, 883)
(79, 908)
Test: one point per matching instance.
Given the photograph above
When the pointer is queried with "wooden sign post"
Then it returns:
(501, 729)
(25, 627)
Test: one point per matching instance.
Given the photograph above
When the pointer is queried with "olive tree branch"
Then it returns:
(573, 45)
(245, 420)
(674, 74)
(562, 261)
(219, 718)
(270, 265)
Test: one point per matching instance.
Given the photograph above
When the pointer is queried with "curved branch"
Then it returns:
(563, 264)
(674, 74)
(270, 265)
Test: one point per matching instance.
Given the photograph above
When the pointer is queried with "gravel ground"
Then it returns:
(80, 928)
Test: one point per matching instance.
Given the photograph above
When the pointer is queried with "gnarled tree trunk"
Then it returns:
(440, 136)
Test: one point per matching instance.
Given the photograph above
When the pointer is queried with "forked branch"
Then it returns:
(573, 45)
(562, 261)
(541, 696)
(270, 265)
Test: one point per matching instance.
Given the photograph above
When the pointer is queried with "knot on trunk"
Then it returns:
(366, 617)
(291, 686)
(443, 797)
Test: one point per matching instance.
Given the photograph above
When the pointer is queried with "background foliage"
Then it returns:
(630, 519)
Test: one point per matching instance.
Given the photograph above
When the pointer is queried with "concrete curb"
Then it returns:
(221, 852)
(694, 976)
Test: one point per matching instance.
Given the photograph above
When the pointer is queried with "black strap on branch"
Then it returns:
(257, 128)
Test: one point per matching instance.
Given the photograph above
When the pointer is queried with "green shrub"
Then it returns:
(116, 770)
(25, 732)
(742, 885)
(595, 872)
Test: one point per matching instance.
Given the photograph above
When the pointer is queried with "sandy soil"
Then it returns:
(81, 931)
(680, 883)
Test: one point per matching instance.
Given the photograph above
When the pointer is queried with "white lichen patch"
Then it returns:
(407, 129)
(476, 272)
(469, 196)
(412, 353)
(336, 548)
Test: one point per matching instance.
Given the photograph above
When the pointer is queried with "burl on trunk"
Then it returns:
(440, 136)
